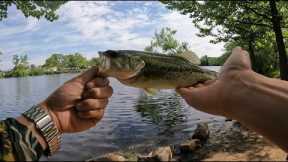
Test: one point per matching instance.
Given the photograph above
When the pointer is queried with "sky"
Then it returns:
(88, 27)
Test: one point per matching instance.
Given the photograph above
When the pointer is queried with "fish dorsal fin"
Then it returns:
(190, 56)
(150, 91)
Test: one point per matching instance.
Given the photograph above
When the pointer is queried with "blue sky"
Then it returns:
(89, 27)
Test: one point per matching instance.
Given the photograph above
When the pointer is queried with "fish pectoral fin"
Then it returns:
(190, 56)
(150, 91)
(138, 69)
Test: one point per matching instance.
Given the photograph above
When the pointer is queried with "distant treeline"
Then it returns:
(213, 61)
(55, 64)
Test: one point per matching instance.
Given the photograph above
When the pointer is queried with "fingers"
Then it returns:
(99, 92)
(199, 85)
(97, 82)
(239, 59)
(209, 82)
(96, 115)
(86, 76)
(95, 99)
(91, 108)
(184, 92)
(198, 95)
(92, 104)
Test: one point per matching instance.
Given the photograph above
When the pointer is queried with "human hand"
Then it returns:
(80, 102)
(219, 96)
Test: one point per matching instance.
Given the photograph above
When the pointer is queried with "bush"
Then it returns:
(2, 74)
(36, 71)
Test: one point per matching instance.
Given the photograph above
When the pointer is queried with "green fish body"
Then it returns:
(152, 71)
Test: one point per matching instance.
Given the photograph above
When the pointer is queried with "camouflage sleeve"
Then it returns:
(17, 143)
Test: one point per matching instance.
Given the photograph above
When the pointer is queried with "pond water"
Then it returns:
(133, 121)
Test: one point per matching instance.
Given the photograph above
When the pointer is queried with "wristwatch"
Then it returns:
(46, 126)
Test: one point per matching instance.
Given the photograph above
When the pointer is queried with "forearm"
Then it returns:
(18, 142)
(31, 126)
(262, 104)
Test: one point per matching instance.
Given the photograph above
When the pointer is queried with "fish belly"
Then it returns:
(163, 82)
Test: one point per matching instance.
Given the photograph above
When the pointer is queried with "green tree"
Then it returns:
(75, 61)
(247, 21)
(34, 8)
(94, 61)
(165, 42)
(36, 70)
(209, 61)
(55, 60)
(21, 66)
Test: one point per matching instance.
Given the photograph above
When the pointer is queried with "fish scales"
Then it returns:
(150, 70)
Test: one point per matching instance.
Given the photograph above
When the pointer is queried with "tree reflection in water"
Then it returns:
(163, 110)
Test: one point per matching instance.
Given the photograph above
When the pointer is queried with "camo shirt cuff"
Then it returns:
(17, 142)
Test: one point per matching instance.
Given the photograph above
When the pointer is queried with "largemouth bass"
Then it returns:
(152, 71)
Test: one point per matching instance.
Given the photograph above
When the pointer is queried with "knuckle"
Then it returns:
(110, 91)
(100, 114)
(103, 102)
(90, 85)
(100, 81)
(87, 103)
(95, 92)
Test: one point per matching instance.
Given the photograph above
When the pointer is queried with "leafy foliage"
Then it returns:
(165, 42)
(55, 60)
(21, 66)
(34, 8)
(94, 61)
(36, 70)
(248, 23)
(75, 61)
(55, 64)
(71, 61)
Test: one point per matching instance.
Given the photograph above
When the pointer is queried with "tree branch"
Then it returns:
(257, 13)
(253, 23)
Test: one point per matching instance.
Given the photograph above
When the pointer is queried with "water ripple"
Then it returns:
(132, 120)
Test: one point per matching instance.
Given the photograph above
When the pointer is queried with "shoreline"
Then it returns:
(48, 73)
(228, 141)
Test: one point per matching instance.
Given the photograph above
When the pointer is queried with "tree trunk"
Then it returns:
(276, 56)
(207, 60)
(252, 54)
(279, 40)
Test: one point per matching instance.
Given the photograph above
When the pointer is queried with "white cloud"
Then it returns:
(187, 32)
(96, 25)
(98, 22)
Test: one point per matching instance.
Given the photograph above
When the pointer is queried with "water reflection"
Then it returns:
(164, 110)
(132, 120)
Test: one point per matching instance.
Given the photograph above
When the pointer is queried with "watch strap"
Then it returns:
(45, 124)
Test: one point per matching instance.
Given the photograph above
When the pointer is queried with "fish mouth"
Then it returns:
(105, 67)
(105, 62)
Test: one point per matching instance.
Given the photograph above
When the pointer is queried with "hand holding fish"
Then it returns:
(257, 101)
(80, 103)
(215, 96)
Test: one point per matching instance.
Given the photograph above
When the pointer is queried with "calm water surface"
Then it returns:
(133, 121)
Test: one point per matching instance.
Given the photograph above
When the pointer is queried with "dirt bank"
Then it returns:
(233, 142)
(228, 141)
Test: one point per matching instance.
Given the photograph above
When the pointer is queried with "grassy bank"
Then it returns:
(36, 72)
